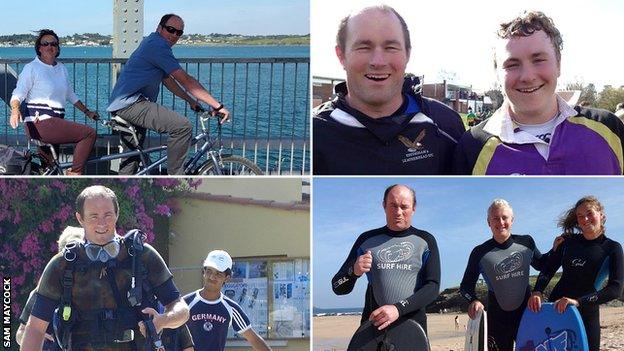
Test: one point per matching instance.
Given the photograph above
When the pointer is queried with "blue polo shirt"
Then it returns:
(148, 65)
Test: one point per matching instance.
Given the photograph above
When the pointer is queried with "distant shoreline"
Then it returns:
(216, 39)
(110, 46)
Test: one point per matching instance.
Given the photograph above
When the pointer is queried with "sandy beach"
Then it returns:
(332, 333)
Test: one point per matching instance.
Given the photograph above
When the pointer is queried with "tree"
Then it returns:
(496, 96)
(588, 92)
(610, 97)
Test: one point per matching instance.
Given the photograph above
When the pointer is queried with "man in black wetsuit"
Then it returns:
(380, 123)
(504, 263)
(402, 265)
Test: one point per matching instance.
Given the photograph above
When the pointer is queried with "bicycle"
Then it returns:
(217, 161)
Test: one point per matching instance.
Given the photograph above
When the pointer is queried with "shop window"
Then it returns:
(275, 294)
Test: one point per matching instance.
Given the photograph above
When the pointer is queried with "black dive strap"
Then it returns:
(134, 243)
(105, 327)
(64, 317)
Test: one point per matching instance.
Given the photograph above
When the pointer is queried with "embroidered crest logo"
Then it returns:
(415, 145)
(415, 148)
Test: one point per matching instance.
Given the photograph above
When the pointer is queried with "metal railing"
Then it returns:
(268, 98)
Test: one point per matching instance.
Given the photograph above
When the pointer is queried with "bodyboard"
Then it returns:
(549, 330)
(476, 333)
(402, 335)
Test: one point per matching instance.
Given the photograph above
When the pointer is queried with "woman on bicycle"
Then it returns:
(44, 86)
(588, 258)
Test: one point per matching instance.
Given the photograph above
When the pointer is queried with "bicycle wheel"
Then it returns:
(231, 165)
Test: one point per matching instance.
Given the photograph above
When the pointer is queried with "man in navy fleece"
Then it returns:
(379, 122)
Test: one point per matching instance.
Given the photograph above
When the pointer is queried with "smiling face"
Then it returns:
(176, 23)
(590, 219)
(528, 69)
(98, 219)
(500, 220)
(374, 57)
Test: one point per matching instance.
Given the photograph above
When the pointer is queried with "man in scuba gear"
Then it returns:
(100, 294)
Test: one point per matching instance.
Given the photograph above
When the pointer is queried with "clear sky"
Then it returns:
(249, 17)
(458, 36)
(453, 210)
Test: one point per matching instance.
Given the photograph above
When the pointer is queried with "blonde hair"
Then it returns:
(499, 203)
(70, 234)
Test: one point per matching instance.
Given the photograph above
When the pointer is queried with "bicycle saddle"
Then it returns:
(120, 122)
(121, 125)
(38, 142)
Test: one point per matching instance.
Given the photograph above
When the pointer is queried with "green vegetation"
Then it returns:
(450, 299)
(236, 39)
(610, 97)
(94, 39)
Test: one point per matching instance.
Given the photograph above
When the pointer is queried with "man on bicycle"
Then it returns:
(134, 95)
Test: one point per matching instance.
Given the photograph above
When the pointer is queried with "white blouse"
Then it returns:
(45, 88)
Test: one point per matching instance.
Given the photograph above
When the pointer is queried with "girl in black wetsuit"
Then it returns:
(588, 257)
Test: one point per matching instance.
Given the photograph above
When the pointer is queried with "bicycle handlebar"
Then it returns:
(205, 114)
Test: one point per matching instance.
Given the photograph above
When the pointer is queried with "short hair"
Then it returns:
(527, 24)
(70, 234)
(341, 36)
(95, 191)
(165, 18)
(388, 189)
(42, 33)
(498, 203)
(619, 106)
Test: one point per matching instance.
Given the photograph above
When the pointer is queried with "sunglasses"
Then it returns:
(50, 43)
(173, 30)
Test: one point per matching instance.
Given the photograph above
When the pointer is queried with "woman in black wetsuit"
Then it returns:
(588, 257)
